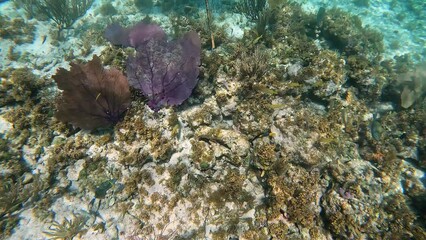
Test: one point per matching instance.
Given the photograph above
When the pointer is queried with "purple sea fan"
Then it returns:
(92, 96)
(166, 72)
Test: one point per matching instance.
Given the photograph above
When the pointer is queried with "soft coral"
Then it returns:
(92, 96)
(165, 71)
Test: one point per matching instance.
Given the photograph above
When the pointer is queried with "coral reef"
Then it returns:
(341, 30)
(18, 30)
(294, 130)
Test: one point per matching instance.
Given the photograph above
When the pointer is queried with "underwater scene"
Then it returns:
(212, 119)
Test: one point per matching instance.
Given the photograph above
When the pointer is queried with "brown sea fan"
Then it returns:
(92, 96)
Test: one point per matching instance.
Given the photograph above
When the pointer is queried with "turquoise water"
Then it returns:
(212, 119)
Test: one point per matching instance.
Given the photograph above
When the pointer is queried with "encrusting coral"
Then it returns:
(17, 30)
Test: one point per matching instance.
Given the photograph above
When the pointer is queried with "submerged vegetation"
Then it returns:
(299, 128)
(252, 9)
(63, 12)
(68, 229)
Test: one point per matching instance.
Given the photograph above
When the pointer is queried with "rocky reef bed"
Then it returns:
(297, 129)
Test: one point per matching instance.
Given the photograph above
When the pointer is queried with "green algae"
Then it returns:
(18, 30)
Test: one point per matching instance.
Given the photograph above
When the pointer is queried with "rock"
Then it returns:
(74, 171)
(233, 140)
(29, 155)
(202, 116)
(27, 178)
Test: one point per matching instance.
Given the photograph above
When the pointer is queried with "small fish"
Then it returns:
(320, 16)
(100, 193)
(265, 89)
(256, 40)
(277, 105)
(102, 189)
(376, 129)
(43, 39)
